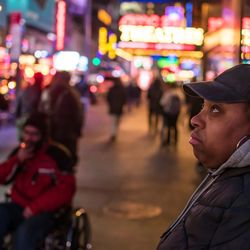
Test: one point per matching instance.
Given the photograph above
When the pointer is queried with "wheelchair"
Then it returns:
(71, 232)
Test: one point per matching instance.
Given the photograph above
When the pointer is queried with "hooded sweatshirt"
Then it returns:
(238, 164)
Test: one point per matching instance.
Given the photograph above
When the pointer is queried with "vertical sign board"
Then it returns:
(16, 34)
(60, 24)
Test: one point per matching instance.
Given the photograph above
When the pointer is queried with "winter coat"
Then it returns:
(62, 103)
(67, 115)
(154, 95)
(171, 103)
(38, 183)
(217, 217)
(28, 100)
(116, 99)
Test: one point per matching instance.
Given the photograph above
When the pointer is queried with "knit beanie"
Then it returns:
(39, 120)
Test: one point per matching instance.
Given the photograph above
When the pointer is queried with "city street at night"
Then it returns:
(132, 188)
(82, 85)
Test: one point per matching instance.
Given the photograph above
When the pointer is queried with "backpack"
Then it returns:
(174, 105)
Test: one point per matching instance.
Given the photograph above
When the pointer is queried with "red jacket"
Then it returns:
(40, 184)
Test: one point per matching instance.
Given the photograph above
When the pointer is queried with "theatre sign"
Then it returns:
(144, 32)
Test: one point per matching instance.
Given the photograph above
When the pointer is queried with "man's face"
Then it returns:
(31, 137)
(218, 129)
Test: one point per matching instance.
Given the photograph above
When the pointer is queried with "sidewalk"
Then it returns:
(133, 188)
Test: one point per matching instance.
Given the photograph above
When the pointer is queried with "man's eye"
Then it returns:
(215, 109)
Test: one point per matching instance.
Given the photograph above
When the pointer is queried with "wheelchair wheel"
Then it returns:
(79, 233)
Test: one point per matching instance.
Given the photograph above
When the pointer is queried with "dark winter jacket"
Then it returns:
(28, 100)
(116, 99)
(62, 104)
(154, 95)
(39, 183)
(217, 217)
(67, 116)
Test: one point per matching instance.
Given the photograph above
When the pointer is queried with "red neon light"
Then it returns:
(156, 46)
(140, 19)
(246, 23)
(60, 24)
(149, 20)
(214, 23)
(15, 17)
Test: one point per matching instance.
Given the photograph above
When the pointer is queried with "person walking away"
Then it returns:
(133, 95)
(4, 103)
(154, 95)
(171, 105)
(28, 100)
(217, 216)
(39, 188)
(4, 109)
(116, 99)
(64, 108)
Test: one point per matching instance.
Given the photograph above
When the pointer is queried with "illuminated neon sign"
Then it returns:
(104, 17)
(177, 35)
(60, 24)
(107, 43)
(245, 40)
(156, 46)
(154, 29)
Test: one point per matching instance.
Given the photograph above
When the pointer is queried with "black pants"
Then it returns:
(27, 231)
(153, 119)
(170, 123)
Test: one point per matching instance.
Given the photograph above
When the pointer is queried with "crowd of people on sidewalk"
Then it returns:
(50, 121)
(166, 101)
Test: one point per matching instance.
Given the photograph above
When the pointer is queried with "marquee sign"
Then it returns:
(151, 31)
(150, 34)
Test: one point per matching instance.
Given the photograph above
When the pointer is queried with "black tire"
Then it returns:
(79, 233)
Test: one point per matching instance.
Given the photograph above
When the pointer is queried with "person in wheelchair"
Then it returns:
(39, 187)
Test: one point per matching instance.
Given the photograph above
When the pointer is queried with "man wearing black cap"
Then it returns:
(39, 187)
(217, 215)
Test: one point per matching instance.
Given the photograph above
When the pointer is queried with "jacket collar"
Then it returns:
(239, 159)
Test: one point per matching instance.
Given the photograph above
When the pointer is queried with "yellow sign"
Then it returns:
(104, 17)
(107, 43)
(151, 34)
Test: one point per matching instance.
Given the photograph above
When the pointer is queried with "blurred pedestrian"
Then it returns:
(133, 92)
(171, 107)
(154, 95)
(64, 108)
(116, 98)
(28, 99)
(4, 103)
(83, 89)
(217, 215)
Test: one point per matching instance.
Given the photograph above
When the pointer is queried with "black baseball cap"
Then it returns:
(231, 86)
